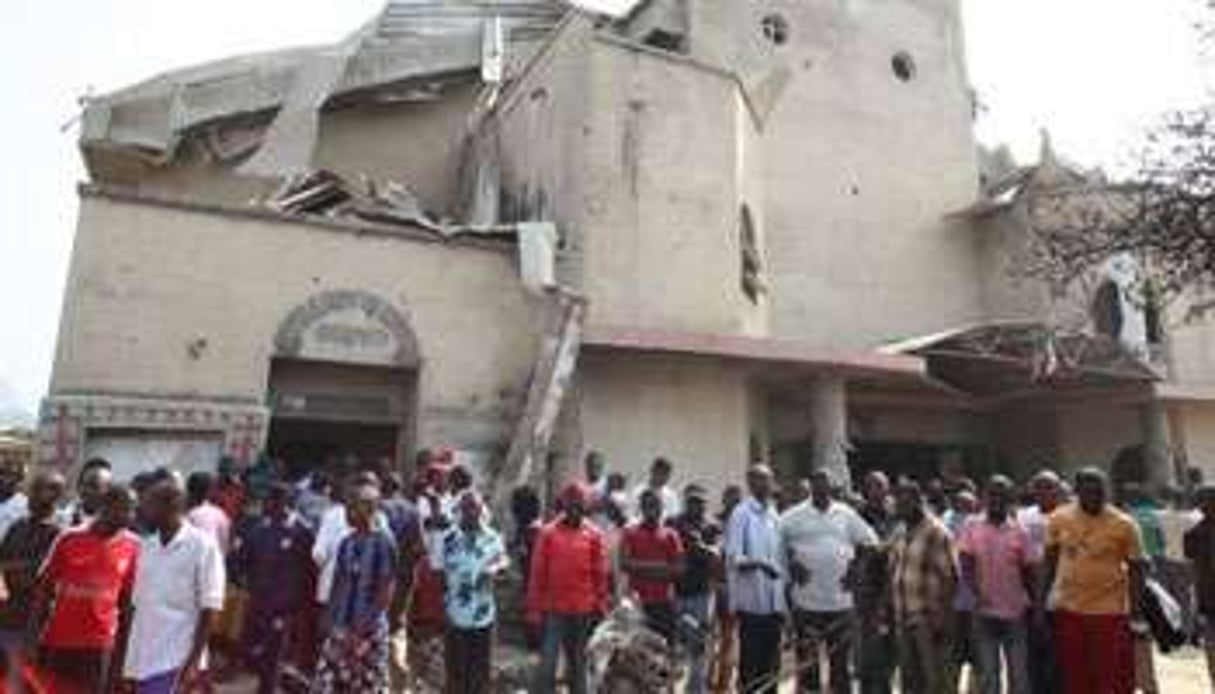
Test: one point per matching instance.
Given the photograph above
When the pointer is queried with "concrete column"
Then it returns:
(1157, 443)
(829, 419)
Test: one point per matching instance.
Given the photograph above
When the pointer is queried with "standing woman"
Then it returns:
(354, 657)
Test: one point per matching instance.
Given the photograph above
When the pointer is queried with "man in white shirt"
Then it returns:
(659, 481)
(179, 592)
(821, 539)
(755, 581)
(13, 503)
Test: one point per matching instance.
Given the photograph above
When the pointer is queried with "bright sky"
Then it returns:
(1093, 71)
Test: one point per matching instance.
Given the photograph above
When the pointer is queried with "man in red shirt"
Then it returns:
(567, 591)
(86, 583)
(651, 554)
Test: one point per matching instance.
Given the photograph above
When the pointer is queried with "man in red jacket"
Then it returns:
(568, 590)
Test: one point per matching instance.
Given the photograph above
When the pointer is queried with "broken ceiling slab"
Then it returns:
(410, 41)
(326, 194)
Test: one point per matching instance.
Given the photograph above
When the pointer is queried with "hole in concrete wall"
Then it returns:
(1106, 310)
(751, 279)
(775, 29)
(903, 66)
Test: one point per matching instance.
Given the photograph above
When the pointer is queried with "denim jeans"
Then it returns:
(569, 633)
(698, 610)
(995, 637)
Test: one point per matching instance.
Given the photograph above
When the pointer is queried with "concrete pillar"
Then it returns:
(1157, 443)
(829, 419)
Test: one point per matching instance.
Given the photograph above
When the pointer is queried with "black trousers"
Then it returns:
(467, 654)
(813, 631)
(77, 670)
(660, 616)
(759, 653)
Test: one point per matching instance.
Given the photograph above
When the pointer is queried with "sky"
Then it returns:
(1095, 72)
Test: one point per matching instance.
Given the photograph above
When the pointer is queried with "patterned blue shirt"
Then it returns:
(365, 563)
(466, 556)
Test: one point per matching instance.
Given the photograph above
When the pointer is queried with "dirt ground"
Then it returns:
(1184, 672)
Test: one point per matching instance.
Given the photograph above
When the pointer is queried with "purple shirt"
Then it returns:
(1000, 553)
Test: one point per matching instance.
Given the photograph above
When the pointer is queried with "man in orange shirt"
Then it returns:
(1095, 556)
(567, 591)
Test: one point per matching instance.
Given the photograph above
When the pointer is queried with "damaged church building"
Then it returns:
(718, 232)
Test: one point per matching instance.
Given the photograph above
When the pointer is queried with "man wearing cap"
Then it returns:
(472, 555)
(568, 590)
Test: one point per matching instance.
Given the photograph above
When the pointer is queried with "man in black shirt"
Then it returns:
(22, 550)
(695, 586)
(875, 645)
(1200, 550)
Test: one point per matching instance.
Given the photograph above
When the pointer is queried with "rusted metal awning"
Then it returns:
(998, 359)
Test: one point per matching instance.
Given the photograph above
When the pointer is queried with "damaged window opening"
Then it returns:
(775, 29)
(752, 267)
(665, 40)
(903, 66)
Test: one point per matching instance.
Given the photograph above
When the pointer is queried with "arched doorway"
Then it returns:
(343, 382)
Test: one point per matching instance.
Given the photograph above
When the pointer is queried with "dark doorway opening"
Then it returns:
(339, 415)
(304, 444)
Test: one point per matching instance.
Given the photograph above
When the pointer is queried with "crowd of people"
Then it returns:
(314, 584)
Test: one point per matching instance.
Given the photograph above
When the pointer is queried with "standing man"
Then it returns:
(725, 655)
(14, 505)
(694, 587)
(651, 555)
(92, 483)
(1047, 490)
(1200, 550)
(997, 566)
(595, 470)
(473, 557)
(274, 558)
(876, 649)
(22, 552)
(567, 591)
(82, 596)
(205, 515)
(1096, 557)
(179, 592)
(660, 482)
(821, 539)
(756, 583)
(923, 581)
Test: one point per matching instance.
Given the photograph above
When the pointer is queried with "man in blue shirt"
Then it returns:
(471, 555)
(756, 584)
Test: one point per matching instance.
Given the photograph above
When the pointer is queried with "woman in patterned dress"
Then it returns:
(354, 658)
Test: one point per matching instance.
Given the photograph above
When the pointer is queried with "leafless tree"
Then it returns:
(1163, 216)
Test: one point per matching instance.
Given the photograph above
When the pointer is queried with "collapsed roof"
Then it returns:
(409, 44)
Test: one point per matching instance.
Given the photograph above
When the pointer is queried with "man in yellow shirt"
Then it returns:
(1095, 556)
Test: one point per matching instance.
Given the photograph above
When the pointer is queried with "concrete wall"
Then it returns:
(1197, 425)
(1006, 293)
(695, 412)
(1093, 433)
(669, 171)
(860, 168)
(147, 280)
